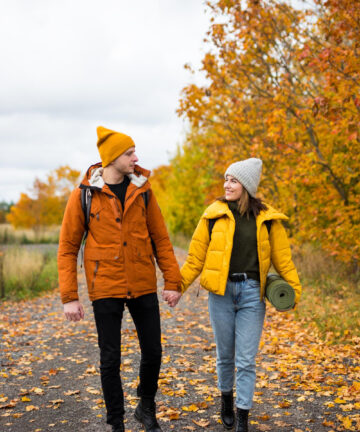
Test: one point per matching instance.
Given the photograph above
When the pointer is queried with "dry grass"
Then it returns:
(331, 295)
(27, 273)
(22, 263)
(10, 235)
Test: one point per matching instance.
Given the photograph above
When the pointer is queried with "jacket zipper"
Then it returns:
(95, 273)
(117, 205)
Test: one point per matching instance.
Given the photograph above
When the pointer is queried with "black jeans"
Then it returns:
(145, 313)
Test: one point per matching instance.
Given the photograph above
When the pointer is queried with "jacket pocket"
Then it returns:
(96, 269)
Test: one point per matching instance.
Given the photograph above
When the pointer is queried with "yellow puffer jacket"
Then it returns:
(212, 259)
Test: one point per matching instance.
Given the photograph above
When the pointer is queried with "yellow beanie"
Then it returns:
(112, 144)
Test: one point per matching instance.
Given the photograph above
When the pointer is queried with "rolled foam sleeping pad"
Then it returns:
(279, 293)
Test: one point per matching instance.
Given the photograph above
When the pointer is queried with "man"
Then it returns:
(125, 231)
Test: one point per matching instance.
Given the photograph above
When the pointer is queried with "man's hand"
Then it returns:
(74, 311)
(172, 297)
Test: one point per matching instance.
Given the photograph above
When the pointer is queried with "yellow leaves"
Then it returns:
(71, 392)
(91, 370)
(168, 413)
(355, 387)
(195, 407)
(304, 369)
(56, 403)
(10, 405)
(202, 423)
(25, 399)
(285, 404)
(32, 408)
(301, 399)
(37, 390)
(92, 391)
(346, 422)
(190, 408)
(340, 401)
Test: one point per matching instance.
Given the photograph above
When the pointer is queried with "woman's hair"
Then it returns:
(247, 204)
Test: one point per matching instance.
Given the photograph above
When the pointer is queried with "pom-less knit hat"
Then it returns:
(112, 144)
(247, 172)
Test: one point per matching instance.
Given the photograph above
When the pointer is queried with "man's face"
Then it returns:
(125, 163)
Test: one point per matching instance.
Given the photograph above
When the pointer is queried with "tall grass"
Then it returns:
(9, 235)
(27, 273)
(331, 295)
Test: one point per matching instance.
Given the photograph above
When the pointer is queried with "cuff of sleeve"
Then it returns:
(170, 286)
(69, 298)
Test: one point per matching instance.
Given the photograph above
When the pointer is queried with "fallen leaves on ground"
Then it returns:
(49, 372)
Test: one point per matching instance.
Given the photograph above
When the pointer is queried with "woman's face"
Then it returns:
(233, 189)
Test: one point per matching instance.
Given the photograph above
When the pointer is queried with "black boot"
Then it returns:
(145, 414)
(241, 420)
(227, 410)
(119, 427)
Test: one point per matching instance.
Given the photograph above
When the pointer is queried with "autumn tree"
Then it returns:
(283, 84)
(45, 204)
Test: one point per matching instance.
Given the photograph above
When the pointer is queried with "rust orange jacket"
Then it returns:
(118, 255)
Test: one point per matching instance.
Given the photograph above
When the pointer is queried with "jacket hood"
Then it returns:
(93, 177)
(218, 209)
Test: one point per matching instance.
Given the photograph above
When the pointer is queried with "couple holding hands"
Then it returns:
(116, 212)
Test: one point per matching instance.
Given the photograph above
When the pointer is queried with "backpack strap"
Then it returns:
(268, 225)
(211, 226)
(86, 198)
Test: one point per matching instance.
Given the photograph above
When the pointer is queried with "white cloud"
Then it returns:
(69, 66)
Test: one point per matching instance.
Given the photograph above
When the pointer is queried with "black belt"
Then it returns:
(237, 277)
(241, 277)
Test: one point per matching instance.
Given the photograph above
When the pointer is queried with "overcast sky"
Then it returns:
(68, 66)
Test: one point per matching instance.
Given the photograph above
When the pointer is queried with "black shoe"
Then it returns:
(118, 427)
(241, 420)
(145, 414)
(227, 414)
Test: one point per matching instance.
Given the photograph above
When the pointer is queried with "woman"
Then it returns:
(234, 257)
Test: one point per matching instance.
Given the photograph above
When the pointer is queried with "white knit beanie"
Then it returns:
(248, 173)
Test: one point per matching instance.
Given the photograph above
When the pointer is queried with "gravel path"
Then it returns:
(49, 372)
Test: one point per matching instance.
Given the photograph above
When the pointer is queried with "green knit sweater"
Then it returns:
(244, 256)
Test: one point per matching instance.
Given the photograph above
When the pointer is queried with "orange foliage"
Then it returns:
(283, 85)
(46, 204)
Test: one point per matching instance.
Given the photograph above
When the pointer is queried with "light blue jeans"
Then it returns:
(237, 320)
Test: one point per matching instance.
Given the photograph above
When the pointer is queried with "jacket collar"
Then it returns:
(93, 178)
(218, 209)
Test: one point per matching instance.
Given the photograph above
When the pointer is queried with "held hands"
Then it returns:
(172, 297)
(74, 311)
